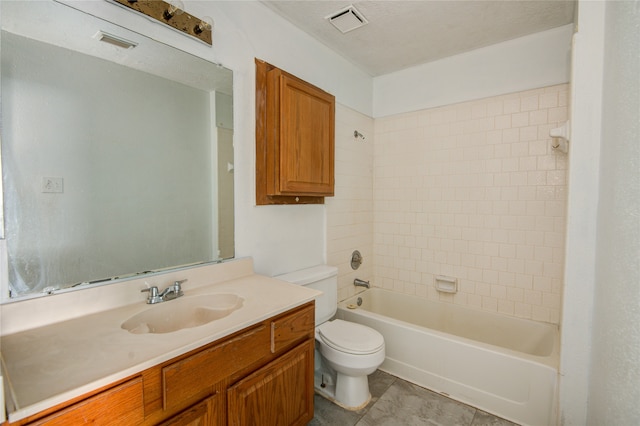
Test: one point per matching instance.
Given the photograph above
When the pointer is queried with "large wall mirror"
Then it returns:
(117, 152)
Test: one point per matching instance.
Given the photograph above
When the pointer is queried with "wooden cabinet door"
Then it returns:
(205, 413)
(306, 138)
(278, 394)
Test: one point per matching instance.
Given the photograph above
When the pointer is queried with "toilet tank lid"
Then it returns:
(309, 275)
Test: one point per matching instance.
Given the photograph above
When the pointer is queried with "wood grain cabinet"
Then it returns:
(295, 132)
(251, 400)
(261, 375)
(204, 413)
(121, 404)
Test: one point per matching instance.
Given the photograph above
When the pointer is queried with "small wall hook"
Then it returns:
(357, 134)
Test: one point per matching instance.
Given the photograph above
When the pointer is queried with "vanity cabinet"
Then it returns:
(206, 412)
(287, 377)
(262, 375)
(120, 404)
(295, 131)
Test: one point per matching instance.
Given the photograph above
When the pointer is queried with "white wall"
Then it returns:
(280, 238)
(614, 387)
(600, 360)
(584, 160)
(528, 62)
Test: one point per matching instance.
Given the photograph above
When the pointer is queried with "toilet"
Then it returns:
(346, 352)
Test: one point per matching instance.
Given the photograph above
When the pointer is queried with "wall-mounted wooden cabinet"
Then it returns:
(295, 131)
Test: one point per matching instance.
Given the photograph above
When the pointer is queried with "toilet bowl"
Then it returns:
(346, 352)
(354, 351)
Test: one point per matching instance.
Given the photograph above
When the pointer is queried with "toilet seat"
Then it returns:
(350, 337)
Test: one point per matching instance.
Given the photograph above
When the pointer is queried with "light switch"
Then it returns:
(52, 184)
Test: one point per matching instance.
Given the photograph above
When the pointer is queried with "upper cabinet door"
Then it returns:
(307, 127)
(295, 131)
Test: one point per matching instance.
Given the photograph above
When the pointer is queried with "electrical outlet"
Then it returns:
(52, 185)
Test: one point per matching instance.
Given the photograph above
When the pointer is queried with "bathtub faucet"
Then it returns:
(361, 283)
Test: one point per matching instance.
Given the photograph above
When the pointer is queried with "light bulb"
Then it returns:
(206, 24)
(175, 8)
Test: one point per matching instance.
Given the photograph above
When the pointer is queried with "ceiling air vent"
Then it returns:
(347, 19)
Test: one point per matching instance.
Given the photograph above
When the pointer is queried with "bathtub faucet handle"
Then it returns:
(361, 283)
(356, 260)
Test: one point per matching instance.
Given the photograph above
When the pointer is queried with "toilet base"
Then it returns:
(352, 391)
(349, 391)
(326, 382)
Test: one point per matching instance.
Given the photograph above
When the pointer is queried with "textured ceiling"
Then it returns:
(401, 34)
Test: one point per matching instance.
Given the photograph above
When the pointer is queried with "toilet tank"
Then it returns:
(323, 278)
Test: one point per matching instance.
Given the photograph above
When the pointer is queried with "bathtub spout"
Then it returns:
(361, 283)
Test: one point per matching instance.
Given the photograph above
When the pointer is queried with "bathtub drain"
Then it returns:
(359, 301)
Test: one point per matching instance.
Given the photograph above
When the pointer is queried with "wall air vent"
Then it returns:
(115, 40)
(347, 19)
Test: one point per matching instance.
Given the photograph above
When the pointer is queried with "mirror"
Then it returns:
(117, 152)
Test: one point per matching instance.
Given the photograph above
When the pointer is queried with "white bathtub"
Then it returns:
(503, 365)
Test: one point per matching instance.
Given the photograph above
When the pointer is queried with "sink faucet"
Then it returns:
(172, 292)
(154, 297)
(361, 283)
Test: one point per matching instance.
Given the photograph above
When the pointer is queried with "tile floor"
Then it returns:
(396, 402)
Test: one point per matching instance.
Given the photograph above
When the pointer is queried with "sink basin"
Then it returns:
(185, 312)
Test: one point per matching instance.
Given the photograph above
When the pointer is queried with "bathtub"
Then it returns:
(503, 365)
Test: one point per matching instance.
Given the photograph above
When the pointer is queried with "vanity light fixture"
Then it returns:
(172, 13)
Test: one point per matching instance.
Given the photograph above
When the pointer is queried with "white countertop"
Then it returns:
(47, 365)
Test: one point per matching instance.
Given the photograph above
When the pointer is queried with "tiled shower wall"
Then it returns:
(350, 211)
(472, 191)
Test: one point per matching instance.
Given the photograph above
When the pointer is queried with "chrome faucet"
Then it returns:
(361, 283)
(154, 297)
(172, 292)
